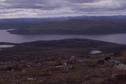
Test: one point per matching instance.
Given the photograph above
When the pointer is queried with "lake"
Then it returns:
(6, 46)
(7, 37)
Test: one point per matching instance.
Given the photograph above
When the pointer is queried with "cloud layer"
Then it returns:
(60, 8)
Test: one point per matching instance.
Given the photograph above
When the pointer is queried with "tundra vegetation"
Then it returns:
(62, 62)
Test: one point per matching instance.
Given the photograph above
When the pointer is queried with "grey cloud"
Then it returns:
(22, 3)
(64, 7)
(49, 4)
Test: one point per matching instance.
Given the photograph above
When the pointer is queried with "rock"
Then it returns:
(120, 66)
(72, 60)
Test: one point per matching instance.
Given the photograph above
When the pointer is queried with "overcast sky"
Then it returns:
(59, 8)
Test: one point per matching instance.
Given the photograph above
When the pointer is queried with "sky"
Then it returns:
(60, 8)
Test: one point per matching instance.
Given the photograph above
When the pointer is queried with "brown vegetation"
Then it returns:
(42, 63)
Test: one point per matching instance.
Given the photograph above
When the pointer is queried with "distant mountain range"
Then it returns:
(67, 25)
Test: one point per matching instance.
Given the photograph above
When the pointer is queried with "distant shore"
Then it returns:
(58, 32)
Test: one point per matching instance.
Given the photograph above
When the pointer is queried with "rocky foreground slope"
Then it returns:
(70, 61)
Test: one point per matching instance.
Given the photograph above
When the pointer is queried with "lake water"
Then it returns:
(6, 46)
(7, 37)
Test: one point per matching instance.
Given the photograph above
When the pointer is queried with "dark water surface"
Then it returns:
(7, 37)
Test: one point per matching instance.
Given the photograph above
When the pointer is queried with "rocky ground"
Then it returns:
(43, 62)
